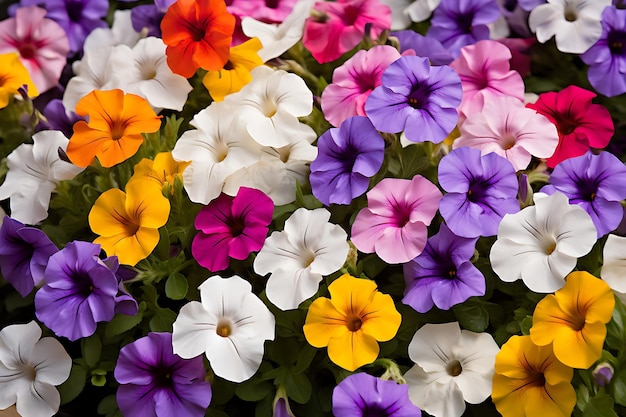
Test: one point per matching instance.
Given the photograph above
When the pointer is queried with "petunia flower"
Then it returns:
(443, 274)
(581, 124)
(452, 366)
(30, 368)
(485, 72)
(198, 34)
(154, 381)
(542, 243)
(458, 23)
(127, 223)
(270, 12)
(575, 24)
(510, 130)
(121, 32)
(420, 10)
(354, 81)
(613, 270)
(230, 326)
(34, 172)
(163, 170)
(597, 183)
(13, 75)
(529, 381)
(574, 319)
(236, 73)
(270, 104)
(148, 17)
(364, 395)
(24, 253)
(480, 190)
(79, 291)
(231, 227)
(394, 223)
(114, 130)
(41, 43)
(58, 118)
(416, 98)
(352, 322)
(423, 46)
(347, 158)
(337, 27)
(298, 257)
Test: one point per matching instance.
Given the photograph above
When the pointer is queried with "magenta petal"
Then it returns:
(211, 251)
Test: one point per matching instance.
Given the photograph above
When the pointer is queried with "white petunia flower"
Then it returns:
(452, 366)
(575, 24)
(614, 265)
(270, 104)
(308, 248)
(121, 33)
(278, 170)
(399, 16)
(230, 325)
(34, 172)
(277, 39)
(218, 147)
(542, 243)
(421, 10)
(30, 368)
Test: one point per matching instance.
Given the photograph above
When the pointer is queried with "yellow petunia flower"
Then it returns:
(236, 73)
(574, 319)
(13, 75)
(529, 381)
(163, 170)
(352, 321)
(128, 222)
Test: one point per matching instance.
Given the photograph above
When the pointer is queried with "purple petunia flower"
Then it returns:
(457, 23)
(480, 191)
(79, 291)
(416, 98)
(155, 382)
(365, 395)
(347, 158)
(58, 118)
(607, 57)
(529, 5)
(24, 253)
(422, 46)
(149, 16)
(443, 275)
(597, 183)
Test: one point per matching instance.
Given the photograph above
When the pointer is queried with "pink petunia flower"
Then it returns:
(354, 81)
(267, 11)
(394, 223)
(580, 123)
(337, 27)
(41, 43)
(231, 227)
(510, 130)
(485, 73)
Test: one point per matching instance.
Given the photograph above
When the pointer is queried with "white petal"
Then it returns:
(224, 296)
(17, 342)
(51, 361)
(431, 346)
(40, 400)
(614, 266)
(234, 358)
(192, 330)
(287, 289)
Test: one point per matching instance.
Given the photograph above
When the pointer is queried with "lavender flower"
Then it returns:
(347, 157)
(529, 5)
(363, 395)
(156, 382)
(149, 16)
(443, 275)
(416, 98)
(58, 118)
(480, 191)
(422, 46)
(597, 183)
(79, 291)
(24, 253)
(457, 23)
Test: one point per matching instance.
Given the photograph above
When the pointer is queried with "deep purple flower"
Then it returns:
(607, 57)
(422, 46)
(457, 23)
(347, 158)
(597, 183)
(443, 275)
(149, 16)
(124, 302)
(480, 191)
(58, 119)
(416, 98)
(364, 395)
(155, 382)
(79, 291)
(24, 253)
(529, 5)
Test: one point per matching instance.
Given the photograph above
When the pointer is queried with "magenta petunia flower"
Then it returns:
(41, 43)
(231, 227)
(394, 223)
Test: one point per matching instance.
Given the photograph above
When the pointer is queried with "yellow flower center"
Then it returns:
(224, 329)
(454, 368)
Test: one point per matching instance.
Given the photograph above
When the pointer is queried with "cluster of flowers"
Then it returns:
(312, 208)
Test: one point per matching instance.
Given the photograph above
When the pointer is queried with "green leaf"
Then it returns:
(619, 387)
(74, 385)
(176, 286)
(298, 387)
(107, 405)
(472, 316)
(305, 356)
(582, 397)
(122, 323)
(254, 390)
(615, 332)
(600, 406)
(162, 320)
(91, 348)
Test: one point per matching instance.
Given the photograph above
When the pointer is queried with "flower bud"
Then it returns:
(603, 373)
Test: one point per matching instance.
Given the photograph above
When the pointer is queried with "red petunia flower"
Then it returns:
(198, 34)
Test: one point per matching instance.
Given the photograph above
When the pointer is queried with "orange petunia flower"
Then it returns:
(198, 34)
(113, 133)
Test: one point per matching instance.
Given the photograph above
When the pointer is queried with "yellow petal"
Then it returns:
(129, 249)
(551, 401)
(353, 350)
(380, 318)
(351, 295)
(108, 214)
(580, 349)
(146, 205)
(324, 322)
(13, 74)
(587, 294)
